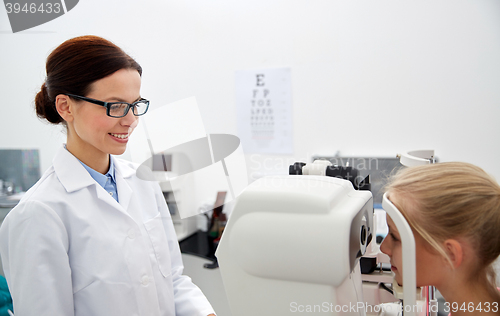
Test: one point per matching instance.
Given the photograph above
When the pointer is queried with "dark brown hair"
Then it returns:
(73, 66)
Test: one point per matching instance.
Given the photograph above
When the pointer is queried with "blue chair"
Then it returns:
(5, 298)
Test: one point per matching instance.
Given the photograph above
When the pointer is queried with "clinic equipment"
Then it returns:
(409, 159)
(417, 158)
(409, 266)
(165, 166)
(293, 244)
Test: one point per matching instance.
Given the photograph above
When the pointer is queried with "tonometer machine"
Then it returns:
(293, 244)
(295, 241)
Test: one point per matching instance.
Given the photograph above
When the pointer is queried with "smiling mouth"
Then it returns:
(121, 136)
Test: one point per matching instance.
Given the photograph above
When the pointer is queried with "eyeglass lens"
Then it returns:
(121, 109)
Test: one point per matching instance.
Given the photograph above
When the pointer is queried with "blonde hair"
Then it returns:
(450, 200)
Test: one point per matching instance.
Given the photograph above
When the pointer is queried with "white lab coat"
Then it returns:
(69, 248)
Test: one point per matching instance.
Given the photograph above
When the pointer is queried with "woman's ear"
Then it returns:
(455, 252)
(64, 108)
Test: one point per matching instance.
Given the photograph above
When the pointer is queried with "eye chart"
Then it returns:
(264, 108)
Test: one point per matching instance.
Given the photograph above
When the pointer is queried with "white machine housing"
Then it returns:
(293, 244)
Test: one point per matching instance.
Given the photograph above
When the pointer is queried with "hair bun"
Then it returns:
(45, 107)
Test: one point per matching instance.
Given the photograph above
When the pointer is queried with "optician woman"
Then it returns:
(90, 238)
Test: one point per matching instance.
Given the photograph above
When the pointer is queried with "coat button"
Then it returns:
(145, 280)
(131, 234)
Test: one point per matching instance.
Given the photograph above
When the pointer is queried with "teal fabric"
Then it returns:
(5, 298)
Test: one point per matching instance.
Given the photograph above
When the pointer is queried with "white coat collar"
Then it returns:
(73, 175)
(70, 171)
(124, 168)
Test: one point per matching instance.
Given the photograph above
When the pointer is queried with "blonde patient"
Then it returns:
(454, 212)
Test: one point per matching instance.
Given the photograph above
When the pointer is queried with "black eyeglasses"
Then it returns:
(118, 109)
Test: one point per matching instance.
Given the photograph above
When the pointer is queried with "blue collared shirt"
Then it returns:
(107, 181)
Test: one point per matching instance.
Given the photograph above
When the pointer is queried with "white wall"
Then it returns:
(368, 77)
